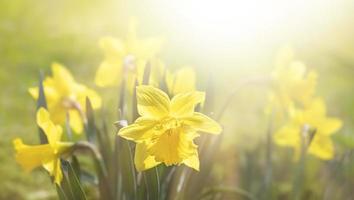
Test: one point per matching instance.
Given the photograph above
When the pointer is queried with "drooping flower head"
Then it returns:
(64, 95)
(311, 126)
(46, 155)
(127, 57)
(165, 131)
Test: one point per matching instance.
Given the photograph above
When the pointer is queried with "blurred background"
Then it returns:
(226, 41)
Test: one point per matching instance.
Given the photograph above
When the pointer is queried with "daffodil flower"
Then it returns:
(183, 80)
(46, 155)
(165, 131)
(64, 95)
(312, 124)
(126, 59)
(292, 82)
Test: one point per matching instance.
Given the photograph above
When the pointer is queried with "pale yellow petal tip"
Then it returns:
(18, 144)
(193, 162)
(33, 91)
(57, 67)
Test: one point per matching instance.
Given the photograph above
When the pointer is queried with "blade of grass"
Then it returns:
(60, 192)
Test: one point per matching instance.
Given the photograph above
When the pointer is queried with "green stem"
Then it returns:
(235, 191)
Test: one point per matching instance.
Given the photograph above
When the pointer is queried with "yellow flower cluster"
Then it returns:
(307, 125)
(166, 128)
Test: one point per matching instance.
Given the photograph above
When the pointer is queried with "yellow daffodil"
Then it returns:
(46, 155)
(292, 82)
(64, 95)
(165, 131)
(126, 58)
(314, 126)
(183, 80)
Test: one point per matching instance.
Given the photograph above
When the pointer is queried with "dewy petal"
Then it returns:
(30, 157)
(193, 161)
(201, 122)
(109, 74)
(141, 129)
(142, 159)
(52, 132)
(152, 102)
(183, 104)
(76, 122)
(322, 147)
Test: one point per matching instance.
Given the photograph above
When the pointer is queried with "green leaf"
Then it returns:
(60, 193)
(75, 185)
(41, 103)
(127, 171)
(65, 185)
(147, 71)
(90, 127)
(152, 182)
(135, 114)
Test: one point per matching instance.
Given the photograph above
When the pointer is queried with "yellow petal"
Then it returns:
(193, 161)
(288, 135)
(152, 102)
(30, 157)
(142, 159)
(322, 147)
(201, 122)
(173, 147)
(76, 122)
(95, 99)
(113, 48)
(108, 74)
(141, 129)
(52, 132)
(181, 81)
(183, 104)
(54, 169)
(330, 126)
(33, 92)
(62, 78)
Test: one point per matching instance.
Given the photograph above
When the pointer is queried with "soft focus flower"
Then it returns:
(183, 80)
(64, 95)
(312, 125)
(46, 155)
(125, 58)
(293, 83)
(165, 131)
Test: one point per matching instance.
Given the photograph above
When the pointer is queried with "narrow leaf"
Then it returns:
(41, 103)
